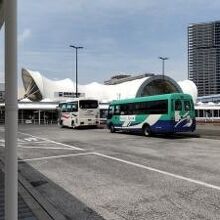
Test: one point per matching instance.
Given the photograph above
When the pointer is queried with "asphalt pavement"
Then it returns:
(93, 174)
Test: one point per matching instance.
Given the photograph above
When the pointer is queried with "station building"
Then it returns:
(208, 108)
(43, 95)
(38, 88)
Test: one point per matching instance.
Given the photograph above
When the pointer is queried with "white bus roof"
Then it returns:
(77, 99)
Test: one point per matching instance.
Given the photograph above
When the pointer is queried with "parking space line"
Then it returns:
(198, 182)
(55, 157)
(46, 148)
(54, 142)
(160, 171)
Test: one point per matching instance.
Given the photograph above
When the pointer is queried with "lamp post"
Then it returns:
(163, 67)
(163, 64)
(76, 48)
(11, 109)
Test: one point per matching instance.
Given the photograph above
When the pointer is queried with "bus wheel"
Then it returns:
(73, 124)
(146, 130)
(112, 129)
(60, 124)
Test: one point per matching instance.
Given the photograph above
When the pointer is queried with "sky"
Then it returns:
(118, 36)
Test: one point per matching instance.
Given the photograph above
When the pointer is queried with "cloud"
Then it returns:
(117, 36)
(24, 35)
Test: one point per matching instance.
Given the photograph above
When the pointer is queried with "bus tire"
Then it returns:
(146, 130)
(73, 124)
(60, 124)
(112, 128)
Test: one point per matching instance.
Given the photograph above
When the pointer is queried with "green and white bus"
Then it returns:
(168, 113)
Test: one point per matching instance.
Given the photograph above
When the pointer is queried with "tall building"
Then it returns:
(204, 57)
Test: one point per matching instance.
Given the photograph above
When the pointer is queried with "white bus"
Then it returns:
(78, 112)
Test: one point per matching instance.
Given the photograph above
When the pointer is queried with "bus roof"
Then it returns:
(77, 99)
(151, 98)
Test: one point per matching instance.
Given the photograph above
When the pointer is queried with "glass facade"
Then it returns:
(159, 86)
(204, 57)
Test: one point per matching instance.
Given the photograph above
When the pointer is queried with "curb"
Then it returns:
(39, 205)
(41, 208)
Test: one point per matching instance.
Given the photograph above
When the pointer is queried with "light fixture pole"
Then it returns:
(11, 111)
(163, 64)
(76, 48)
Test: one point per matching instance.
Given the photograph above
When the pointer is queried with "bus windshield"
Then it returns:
(69, 107)
(88, 104)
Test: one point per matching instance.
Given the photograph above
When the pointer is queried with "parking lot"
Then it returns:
(93, 174)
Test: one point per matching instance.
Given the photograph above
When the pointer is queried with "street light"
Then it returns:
(163, 62)
(11, 110)
(75, 47)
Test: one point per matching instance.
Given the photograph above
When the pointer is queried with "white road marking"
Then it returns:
(46, 148)
(120, 160)
(25, 141)
(31, 139)
(54, 142)
(55, 157)
(160, 171)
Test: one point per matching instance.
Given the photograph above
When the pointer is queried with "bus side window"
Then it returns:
(172, 105)
(117, 110)
(178, 105)
(123, 109)
(187, 105)
(75, 106)
(131, 109)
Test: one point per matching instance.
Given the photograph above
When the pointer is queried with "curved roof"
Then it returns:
(189, 87)
(37, 87)
(156, 85)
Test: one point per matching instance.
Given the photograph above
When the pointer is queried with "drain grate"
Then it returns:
(38, 183)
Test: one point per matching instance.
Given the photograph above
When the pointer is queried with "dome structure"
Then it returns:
(37, 87)
(189, 87)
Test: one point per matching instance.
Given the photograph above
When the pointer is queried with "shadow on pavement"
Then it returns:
(165, 136)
